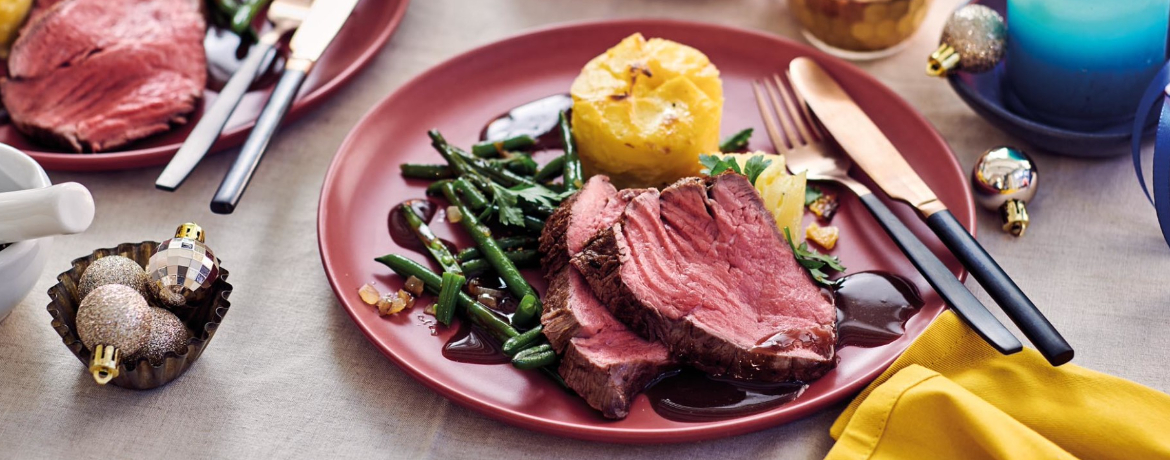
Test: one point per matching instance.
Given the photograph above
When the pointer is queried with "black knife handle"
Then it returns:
(237, 178)
(1001, 288)
(953, 292)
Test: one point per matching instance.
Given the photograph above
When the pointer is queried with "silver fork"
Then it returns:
(795, 133)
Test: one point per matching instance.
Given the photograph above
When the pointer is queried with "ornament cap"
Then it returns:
(1015, 217)
(190, 230)
(942, 61)
(104, 365)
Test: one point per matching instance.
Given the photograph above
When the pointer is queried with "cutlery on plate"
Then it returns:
(792, 131)
(285, 16)
(61, 209)
(322, 22)
(856, 133)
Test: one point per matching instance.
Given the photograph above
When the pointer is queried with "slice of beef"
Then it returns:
(702, 268)
(92, 75)
(601, 359)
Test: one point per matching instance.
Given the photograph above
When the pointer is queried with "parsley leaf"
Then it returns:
(814, 261)
(507, 201)
(754, 166)
(713, 165)
(811, 193)
(737, 141)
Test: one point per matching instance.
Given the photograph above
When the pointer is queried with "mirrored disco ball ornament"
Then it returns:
(184, 268)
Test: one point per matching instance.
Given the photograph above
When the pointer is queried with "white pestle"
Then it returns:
(60, 209)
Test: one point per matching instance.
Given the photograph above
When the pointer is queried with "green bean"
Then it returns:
(523, 259)
(436, 187)
(535, 357)
(527, 313)
(421, 171)
(471, 193)
(434, 245)
(477, 312)
(507, 244)
(519, 163)
(572, 173)
(490, 149)
(244, 17)
(491, 251)
(523, 341)
(552, 169)
(449, 289)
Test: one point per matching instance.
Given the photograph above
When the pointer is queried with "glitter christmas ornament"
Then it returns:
(114, 270)
(167, 333)
(113, 321)
(974, 40)
(183, 269)
(1004, 180)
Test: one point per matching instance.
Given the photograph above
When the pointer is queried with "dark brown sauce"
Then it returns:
(692, 396)
(400, 231)
(538, 119)
(872, 308)
(472, 345)
(225, 54)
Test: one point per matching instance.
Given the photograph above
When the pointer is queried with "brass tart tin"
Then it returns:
(202, 318)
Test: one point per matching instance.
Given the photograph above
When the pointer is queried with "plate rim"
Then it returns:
(697, 432)
(154, 156)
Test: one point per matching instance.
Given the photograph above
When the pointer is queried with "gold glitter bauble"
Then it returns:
(114, 270)
(114, 315)
(978, 35)
(112, 321)
(167, 333)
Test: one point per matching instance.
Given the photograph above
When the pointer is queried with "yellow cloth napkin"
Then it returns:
(953, 396)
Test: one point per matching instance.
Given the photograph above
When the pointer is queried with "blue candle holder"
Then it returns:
(1082, 64)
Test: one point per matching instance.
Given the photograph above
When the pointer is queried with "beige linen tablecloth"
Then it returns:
(289, 374)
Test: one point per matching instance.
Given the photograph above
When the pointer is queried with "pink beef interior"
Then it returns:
(727, 269)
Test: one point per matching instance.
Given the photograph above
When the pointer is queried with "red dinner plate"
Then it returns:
(460, 95)
(370, 27)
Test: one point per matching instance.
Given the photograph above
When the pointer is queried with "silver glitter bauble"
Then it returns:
(183, 268)
(114, 270)
(974, 40)
(112, 321)
(167, 333)
(1004, 180)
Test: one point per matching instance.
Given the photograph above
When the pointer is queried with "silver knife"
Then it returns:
(868, 146)
(324, 20)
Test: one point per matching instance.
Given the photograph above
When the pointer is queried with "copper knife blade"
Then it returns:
(860, 137)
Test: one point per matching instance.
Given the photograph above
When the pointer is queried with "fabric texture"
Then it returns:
(951, 395)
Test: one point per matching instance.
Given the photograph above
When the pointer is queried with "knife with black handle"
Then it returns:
(856, 133)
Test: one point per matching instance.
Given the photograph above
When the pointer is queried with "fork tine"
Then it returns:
(779, 140)
(786, 122)
(790, 108)
(812, 123)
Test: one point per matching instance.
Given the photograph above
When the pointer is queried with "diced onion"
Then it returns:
(369, 294)
(414, 286)
(453, 214)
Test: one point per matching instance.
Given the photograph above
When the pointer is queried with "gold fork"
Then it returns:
(795, 134)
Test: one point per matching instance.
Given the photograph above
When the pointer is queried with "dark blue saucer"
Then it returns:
(986, 95)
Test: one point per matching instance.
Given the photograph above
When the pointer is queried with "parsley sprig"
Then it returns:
(714, 165)
(736, 142)
(506, 201)
(815, 262)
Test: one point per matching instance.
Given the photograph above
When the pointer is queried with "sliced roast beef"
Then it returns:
(601, 359)
(92, 75)
(701, 268)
